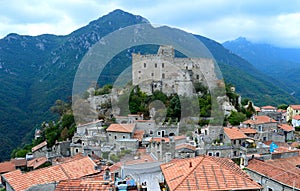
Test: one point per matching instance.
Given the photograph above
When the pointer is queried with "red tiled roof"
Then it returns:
(296, 117)
(248, 130)
(7, 167)
(260, 120)
(81, 185)
(257, 109)
(206, 173)
(179, 137)
(185, 145)
(19, 162)
(122, 128)
(37, 162)
(295, 107)
(286, 127)
(139, 134)
(69, 170)
(288, 164)
(279, 144)
(295, 144)
(276, 171)
(268, 107)
(234, 133)
(281, 111)
(39, 146)
(160, 139)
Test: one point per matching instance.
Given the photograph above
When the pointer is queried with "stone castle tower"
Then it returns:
(164, 72)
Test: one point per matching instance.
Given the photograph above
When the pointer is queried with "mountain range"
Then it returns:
(37, 70)
(282, 64)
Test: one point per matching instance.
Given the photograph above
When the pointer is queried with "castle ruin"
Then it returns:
(169, 74)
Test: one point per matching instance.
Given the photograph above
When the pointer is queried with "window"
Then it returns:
(115, 137)
(234, 153)
(152, 74)
(260, 128)
(158, 133)
(76, 150)
(163, 75)
(264, 138)
(217, 154)
(270, 189)
(124, 137)
(197, 77)
(151, 132)
(163, 65)
(109, 134)
(145, 65)
(155, 65)
(209, 154)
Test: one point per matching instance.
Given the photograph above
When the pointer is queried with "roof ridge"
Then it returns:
(65, 172)
(192, 169)
(234, 170)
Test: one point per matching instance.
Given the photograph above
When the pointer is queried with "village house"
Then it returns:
(87, 140)
(206, 173)
(277, 174)
(120, 131)
(77, 168)
(40, 150)
(287, 131)
(264, 125)
(268, 108)
(292, 110)
(236, 138)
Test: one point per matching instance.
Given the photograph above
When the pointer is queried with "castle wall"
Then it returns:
(171, 75)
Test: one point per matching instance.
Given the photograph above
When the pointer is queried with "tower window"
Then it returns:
(163, 75)
(155, 65)
(163, 65)
(145, 65)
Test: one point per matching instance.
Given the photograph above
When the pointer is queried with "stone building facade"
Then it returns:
(166, 73)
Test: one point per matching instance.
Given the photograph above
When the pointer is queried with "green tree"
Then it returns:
(236, 117)
(282, 106)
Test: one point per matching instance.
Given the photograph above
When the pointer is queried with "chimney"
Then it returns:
(191, 165)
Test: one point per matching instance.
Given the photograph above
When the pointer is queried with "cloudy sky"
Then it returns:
(275, 22)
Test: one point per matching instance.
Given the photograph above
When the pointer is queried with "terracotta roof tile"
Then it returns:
(139, 134)
(295, 107)
(234, 133)
(248, 130)
(206, 173)
(281, 111)
(160, 139)
(185, 145)
(123, 128)
(295, 145)
(276, 171)
(7, 167)
(179, 137)
(37, 162)
(296, 117)
(260, 120)
(69, 170)
(286, 127)
(39, 146)
(82, 185)
(19, 162)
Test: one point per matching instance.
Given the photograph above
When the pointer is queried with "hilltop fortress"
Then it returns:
(164, 72)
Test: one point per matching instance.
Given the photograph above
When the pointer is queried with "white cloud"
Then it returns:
(272, 21)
